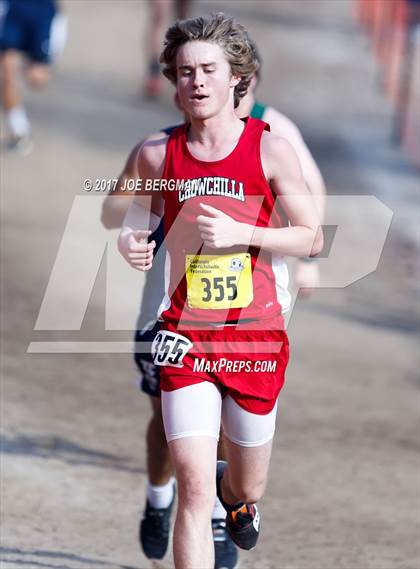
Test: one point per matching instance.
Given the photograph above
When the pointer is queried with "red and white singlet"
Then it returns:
(222, 313)
(216, 286)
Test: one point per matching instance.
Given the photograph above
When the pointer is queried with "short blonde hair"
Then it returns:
(221, 30)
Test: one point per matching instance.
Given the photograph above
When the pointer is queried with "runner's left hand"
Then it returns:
(219, 230)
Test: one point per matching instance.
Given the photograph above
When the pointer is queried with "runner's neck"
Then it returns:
(215, 141)
(215, 132)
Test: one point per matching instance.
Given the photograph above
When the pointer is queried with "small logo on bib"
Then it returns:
(236, 265)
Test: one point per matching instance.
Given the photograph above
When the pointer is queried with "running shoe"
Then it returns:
(154, 530)
(243, 520)
(243, 526)
(225, 552)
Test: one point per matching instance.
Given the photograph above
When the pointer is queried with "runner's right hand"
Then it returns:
(135, 249)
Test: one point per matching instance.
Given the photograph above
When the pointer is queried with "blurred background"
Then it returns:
(344, 485)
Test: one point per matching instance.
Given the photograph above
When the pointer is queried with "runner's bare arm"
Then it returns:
(306, 274)
(146, 209)
(283, 172)
(284, 127)
(118, 200)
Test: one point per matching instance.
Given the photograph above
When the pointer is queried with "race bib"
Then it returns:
(169, 348)
(219, 281)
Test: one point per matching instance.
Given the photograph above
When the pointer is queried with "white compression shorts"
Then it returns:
(198, 410)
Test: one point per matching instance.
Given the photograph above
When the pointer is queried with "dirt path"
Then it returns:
(343, 491)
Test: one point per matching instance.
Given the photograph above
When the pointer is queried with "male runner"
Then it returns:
(154, 532)
(160, 492)
(35, 29)
(229, 163)
(306, 271)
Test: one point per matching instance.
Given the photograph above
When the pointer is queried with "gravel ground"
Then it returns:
(344, 484)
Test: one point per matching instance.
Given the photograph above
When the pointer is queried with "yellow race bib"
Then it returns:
(219, 281)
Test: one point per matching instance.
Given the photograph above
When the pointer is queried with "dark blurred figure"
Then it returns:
(33, 30)
(160, 12)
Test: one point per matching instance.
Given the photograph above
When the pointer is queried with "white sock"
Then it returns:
(161, 496)
(219, 513)
(18, 122)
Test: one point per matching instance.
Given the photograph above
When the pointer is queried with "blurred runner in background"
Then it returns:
(37, 31)
(306, 271)
(160, 12)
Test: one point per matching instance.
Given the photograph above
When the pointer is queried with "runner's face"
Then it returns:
(204, 81)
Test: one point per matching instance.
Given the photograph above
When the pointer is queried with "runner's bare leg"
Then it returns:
(159, 465)
(245, 477)
(194, 459)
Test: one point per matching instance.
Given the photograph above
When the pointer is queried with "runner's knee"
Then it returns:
(38, 76)
(195, 496)
(249, 492)
(8, 65)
